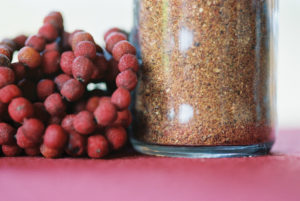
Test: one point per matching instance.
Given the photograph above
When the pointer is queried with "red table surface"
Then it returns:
(135, 177)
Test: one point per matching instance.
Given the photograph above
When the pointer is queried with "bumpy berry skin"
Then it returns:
(55, 137)
(112, 39)
(127, 79)
(6, 51)
(23, 141)
(54, 46)
(121, 48)
(67, 123)
(30, 57)
(116, 136)
(82, 69)
(84, 123)
(72, 90)
(48, 152)
(45, 88)
(4, 60)
(121, 98)
(33, 151)
(37, 42)
(111, 30)
(105, 113)
(48, 31)
(124, 119)
(33, 129)
(92, 103)
(9, 92)
(19, 109)
(66, 62)
(97, 146)
(56, 19)
(7, 133)
(60, 80)
(40, 112)
(20, 41)
(86, 49)
(55, 105)
(128, 61)
(76, 144)
(50, 62)
(19, 70)
(80, 36)
(11, 150)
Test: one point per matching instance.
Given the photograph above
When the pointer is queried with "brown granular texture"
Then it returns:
(206, 78)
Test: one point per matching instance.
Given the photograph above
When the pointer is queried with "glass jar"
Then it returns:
(206, 86)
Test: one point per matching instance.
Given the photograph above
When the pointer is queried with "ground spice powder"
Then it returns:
(206, 76)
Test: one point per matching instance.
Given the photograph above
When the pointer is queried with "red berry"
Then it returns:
(116, 137)
(56, 19)
(72, 90)
(124, 119)
(54, 46)
(7, 133)
(9, 43)
(67, 123)
(33, 129)
(128, 61)
(9, 92)
(37, 42)
(65, 41)
(111, 30)
(48, 152)
(82, 69)
(84, 123)
(19, 70)
(105, 113)
(55, 119)
(33, 151)
(55, 137)
(55, 105)
(61, 79)
(49, 32)
(121, 48)
(4, 60)
(50, 62)
(45, 88)
(97, 146)
(30, 57)
(127, 79)
(86, 49)
(121, 98)
(19, 109)
(11, 150)
(40, 112)
(112, 39)
(6, 51)
(101, 65)
(20, 41)
(80, 36)
(66, 62)
(92, 103)
(76, 144)
(23, 141)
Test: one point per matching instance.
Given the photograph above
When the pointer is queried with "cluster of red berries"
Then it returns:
(45, 107)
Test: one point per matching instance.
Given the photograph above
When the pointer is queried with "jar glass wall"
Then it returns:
(206, 85)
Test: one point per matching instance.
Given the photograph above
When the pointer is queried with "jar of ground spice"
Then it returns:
(206, 85)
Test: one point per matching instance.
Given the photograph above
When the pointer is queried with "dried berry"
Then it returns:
(86, 49)
(67, 123)
(55, 137)
(55, 105)
(6, 51)
(50, 62)
(127, 79)
(23, 141)
(92, 103)
(11, 150)
(30, 57)
(19, 109)
(112, 39)
(82, 69)
(48, 152)
(72, 90)
(61, 79)
(7, 133)
(101, 65)
(84, 122)
(124, 119)
(54, 46)
(56, 19)
(97, 146)
(49, 32)
(4, 60)
(128, 61)
(111, 30)
(20, 41)
(121, 98)
(66, 62)
(105, 113)
(121, 48)
(45, 88)
(37, 42)
(76, 144)
(9, 92)
(33, 129)
(80, 36)
(19, 70)
(9, 43)
(116, 137)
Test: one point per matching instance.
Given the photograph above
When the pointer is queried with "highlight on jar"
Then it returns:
(206, 86)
